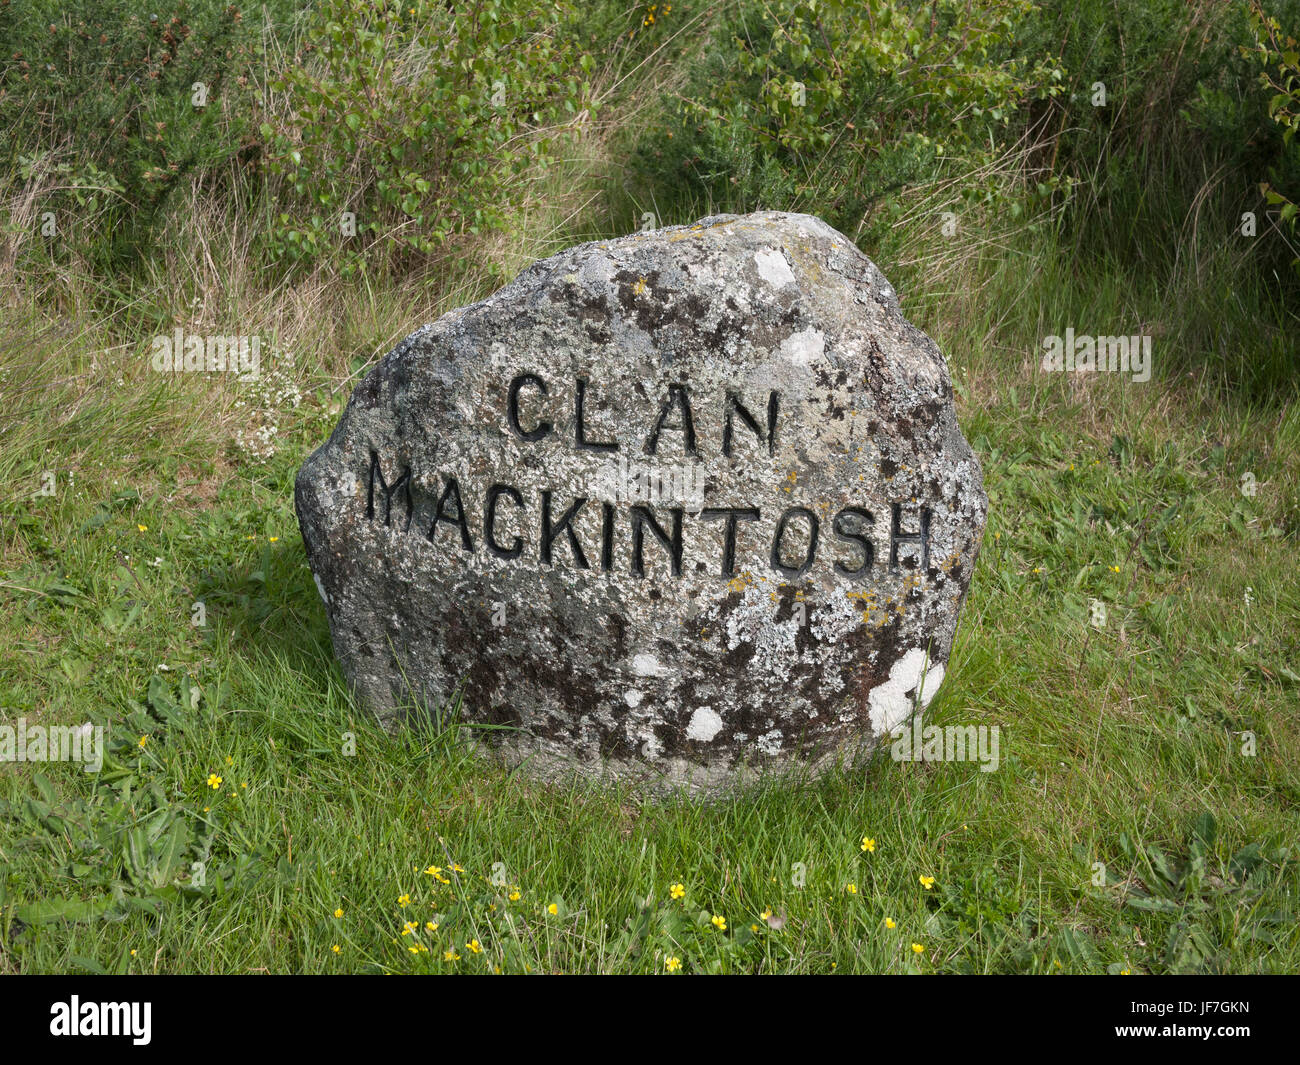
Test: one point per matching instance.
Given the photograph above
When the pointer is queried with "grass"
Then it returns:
(1142, 818)
(1125, 732)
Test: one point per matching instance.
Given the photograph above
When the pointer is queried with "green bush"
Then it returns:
(1180, 115)
(420, 122)
(1278, 54)
(109, 109)
(834, 106)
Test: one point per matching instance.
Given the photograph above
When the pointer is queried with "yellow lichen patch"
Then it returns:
(740, 582)
(695, 231)
(805, 263)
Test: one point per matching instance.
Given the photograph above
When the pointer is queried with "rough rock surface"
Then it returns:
(678, 507)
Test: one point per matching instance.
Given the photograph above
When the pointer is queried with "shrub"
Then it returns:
(109, 110)
(835, 106)
(1279, 56)
(419, 122)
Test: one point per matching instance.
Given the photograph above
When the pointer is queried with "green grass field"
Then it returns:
(249, 817)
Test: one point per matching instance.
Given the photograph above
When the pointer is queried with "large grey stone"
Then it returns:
(677, 507)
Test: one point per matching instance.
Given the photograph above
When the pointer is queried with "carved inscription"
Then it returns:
(546, 526)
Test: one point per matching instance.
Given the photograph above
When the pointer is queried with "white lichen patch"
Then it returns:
(753, 622)
(891, 703)
(804, 347)
(773, 268)
(705, 724)
(645, 665)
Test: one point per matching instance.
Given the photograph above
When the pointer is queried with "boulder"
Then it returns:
(679, 508)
